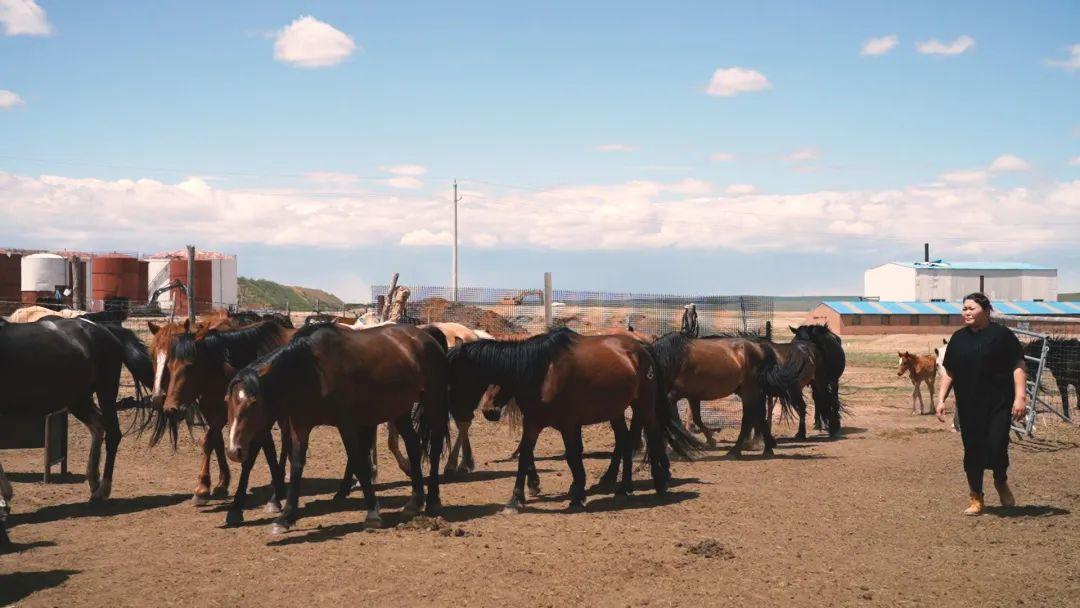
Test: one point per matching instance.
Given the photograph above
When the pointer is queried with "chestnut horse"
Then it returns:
(352, 380)
(714, 367)
(922, 369)
(564, 380)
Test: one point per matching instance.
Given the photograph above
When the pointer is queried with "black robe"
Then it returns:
(981, 364)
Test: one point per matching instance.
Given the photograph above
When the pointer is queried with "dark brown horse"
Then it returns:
(703, 369)
(200, 367)
(565, 380)
(352, 380)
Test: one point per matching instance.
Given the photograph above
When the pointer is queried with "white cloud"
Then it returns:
(616, 148)
(1009, 162)
(1071, 63)
(740, 189)
(966, 176)
(331, 178)
(722, 157)
(728, 82)
(405, 182)
(9, 99)
(936, 47)
(880, 46)
(413, 170)
(24, 18)
(61, 211)
(310, 43)
(1074, 161)
(804, 155)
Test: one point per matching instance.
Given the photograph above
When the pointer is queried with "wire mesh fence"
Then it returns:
(517, 312)
(1060, 381)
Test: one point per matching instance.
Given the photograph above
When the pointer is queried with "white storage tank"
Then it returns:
(43, 272)
(158, 276)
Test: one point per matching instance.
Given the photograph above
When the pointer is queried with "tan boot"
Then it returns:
(976, 507)
(1006, 495)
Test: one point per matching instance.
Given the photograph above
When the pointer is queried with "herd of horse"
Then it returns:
(251, 373)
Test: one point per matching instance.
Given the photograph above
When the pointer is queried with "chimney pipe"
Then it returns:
(926, 252)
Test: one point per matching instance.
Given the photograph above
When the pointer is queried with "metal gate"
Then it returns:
(1035, 401)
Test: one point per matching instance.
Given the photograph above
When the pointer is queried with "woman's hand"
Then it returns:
(1019, 408)
(940, 410)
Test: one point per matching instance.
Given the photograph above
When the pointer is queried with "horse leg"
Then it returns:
(930, 385)
(572, 441)
(627, 485)
(86, 413)
(529, 433)
(437, 422)
(659, 464)
(416, 473)
(799, 401)
(403, 463)
(915, 397)
(366, 437)
(452, 459)
(695, 410)
(611, 476)
(277, 475)
(532, 477)
(107, 401)
(467, 458)
(235, 514)
(289, 514)
(744, 429)
(6, 493)
(764, 429)
(202, 482)
(348, 437)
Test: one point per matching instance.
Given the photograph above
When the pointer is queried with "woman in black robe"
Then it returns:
(984, 365)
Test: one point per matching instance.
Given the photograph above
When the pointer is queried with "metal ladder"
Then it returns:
(1026, 427)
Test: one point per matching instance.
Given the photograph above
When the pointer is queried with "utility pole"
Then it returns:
(453, 272)
(190, 284)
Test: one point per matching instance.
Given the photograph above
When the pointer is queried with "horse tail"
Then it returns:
(832, 350)
(682, 442)
(778, 380)
(136, 357)
(431, 414)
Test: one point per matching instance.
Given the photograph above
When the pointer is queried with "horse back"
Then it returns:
(595, 379)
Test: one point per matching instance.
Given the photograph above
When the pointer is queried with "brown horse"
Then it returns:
(702, 369)
(922, 370)
(352, 380)
(564, 380)
(200, 367)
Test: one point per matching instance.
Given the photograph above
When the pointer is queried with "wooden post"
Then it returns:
(76, 284)
(191, 284)
(385, 312)
(547, 300)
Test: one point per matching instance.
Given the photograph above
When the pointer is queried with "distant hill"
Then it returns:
(263, 293)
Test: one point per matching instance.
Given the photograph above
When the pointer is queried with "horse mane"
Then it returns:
(291, 366)
(522, 364)
(237, 347)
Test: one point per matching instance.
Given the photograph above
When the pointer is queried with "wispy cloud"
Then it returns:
(310, 43)
(616, 148)
(24, 18)
(880, 46)
(728, 82)
(406, 169)
(405, 182)
(722, 157)
(1074, 161)
(965, 176)
(803, 155)
(1069, 64)
(936, 47)
(9, 99)
(740, 189)
(1009, 162)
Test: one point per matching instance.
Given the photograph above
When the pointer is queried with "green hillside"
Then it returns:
(263, 293)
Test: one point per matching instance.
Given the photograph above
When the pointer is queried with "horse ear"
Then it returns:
(793, 330)
(154, 327)
(944, 341)
(458, 341)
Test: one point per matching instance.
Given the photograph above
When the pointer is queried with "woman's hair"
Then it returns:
(980, 298)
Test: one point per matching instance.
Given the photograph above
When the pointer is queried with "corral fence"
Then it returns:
(504, 312)
(1054, 344)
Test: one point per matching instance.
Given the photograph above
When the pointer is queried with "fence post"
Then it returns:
(191, 284)
(76, 284)
(768, 330)
(547, 300)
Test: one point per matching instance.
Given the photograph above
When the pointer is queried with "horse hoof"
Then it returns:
(372, 521)
(220, 492)
(577, 506)
(534, 490)
(710, 442)
(513, 508)
(279, 528)
(200, 501)
(411, 508)
(272, 507)
(340, 496)
(433, 508)
(234, 518)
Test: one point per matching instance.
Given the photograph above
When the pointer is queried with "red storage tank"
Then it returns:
(142, 290)
(204, 285)
(10, 276)
(116, 279)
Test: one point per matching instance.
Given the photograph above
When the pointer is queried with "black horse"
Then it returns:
(1063, 361)
(827, 351)
(58, 363)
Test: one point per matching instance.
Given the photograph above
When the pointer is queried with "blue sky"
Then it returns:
(584, 136)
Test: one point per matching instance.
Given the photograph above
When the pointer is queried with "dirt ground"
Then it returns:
(870, 519)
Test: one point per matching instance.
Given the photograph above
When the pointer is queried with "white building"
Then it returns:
(951, 281)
